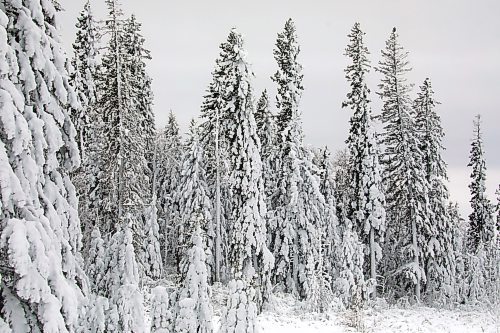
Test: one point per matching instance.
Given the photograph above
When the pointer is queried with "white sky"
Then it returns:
(454, 42)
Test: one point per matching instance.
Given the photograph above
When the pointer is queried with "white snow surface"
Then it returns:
(287, 316)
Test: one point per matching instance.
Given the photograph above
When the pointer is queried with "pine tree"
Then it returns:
(192, 199)
(440, 255)
(41, 273)
(94, 319)
(296, 206)
(240, 313)
(406, 184)
(161, 316)
(458, 227)
(194, 312)
(96, 260)
(169, 161)
(366, 210)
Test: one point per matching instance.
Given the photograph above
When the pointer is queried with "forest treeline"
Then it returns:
(106, 220)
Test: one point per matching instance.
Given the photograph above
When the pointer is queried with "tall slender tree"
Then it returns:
(42, 282)
(297, 203)
(193, 200)
(481, 216)
(406, 184)
(439, 254)
(169, 152)
(366, 210)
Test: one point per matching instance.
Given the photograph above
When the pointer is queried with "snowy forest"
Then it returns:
(110, 224)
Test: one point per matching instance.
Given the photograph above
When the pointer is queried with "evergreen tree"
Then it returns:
(240, 313)
(440, 256)
(330, 236)
(458, 227)
(161, 317)
(41, 276)
(215, 131)
(297, 204)
(126, 309)
(86, 65)
(248, 253)
(480, 219)
(194, 312)
(366, 210)
(96, 260)
(168, 170)
(192, 198)
(267, 132)
(406, 184)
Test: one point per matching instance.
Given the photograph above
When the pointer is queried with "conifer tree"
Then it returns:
(161, 316)
(41, 273)
(86, 65)
(193, 312)
(267, 131)
(366, 210)
(296, 219)
(405, 181)
(248, 253)
(458, 226)
(440, 256)
(480, 219)
(96, 260)
(193, 201)
(240, 313)
(126, 309)
(169, 152)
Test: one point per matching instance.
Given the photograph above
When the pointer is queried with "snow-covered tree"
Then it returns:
(85, 64)
(193, 313)
(94, 318)
(366, 210)
(41, 268)
(480, 220)
(126, 309)
(193, 200)
(96, 260)
(169, 152)
(458, 226)
(405, 181)
(240, 313)
(161, 316)
(297, 203)
(440, 256)
(330, 231)
(248, 253)
(267, 131)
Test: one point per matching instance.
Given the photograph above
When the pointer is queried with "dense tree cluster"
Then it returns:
(241, 203)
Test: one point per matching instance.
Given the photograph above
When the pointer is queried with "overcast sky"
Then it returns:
(456, 43)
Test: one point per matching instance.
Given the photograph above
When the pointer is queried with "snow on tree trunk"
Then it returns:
(42, 279)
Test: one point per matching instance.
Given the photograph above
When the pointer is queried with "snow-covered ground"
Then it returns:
(287, 318)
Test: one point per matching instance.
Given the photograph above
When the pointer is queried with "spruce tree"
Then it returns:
(192, 198)
(86, 66)
(480, 219)
(366, 210)
(440, 256)
(249, 257)
(161, 316)
(169, 152)
(405, 181)
(193, 312)
(297, 204)
(41, 276)
(458, 226)
(267, 131)
(240, 312)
